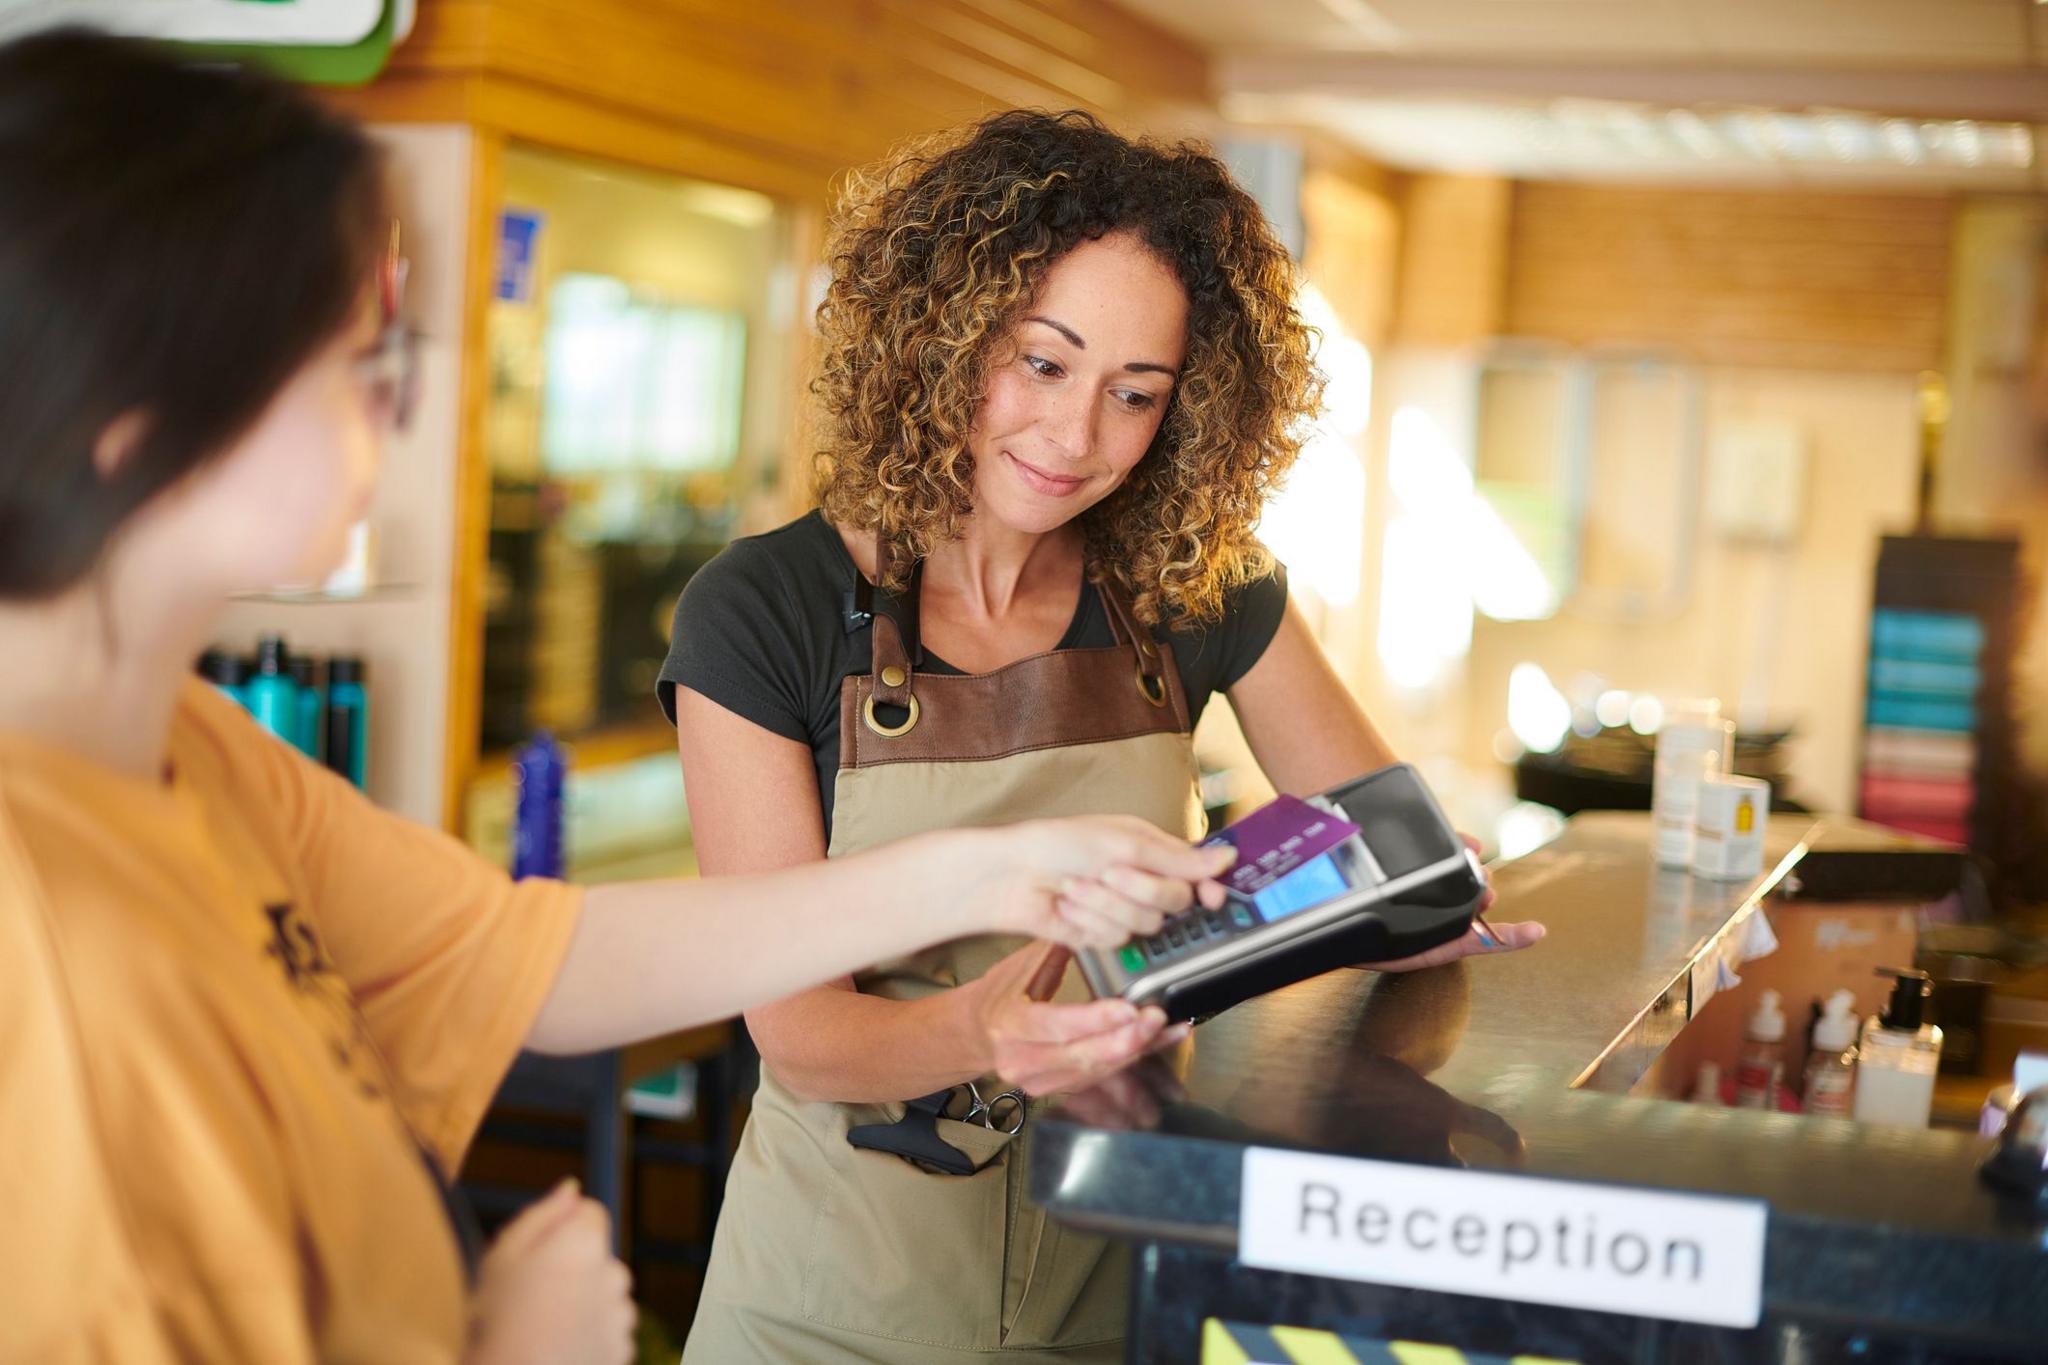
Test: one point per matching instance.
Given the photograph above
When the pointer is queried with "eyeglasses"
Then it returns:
(390, 370)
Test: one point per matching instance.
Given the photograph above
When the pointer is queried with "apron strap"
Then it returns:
(894, 637)
(1123, 623)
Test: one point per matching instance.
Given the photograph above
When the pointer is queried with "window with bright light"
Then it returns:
(636, 383)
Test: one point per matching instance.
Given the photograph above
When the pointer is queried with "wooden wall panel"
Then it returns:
(1805, 280)
(1454, 259)
(803, 87)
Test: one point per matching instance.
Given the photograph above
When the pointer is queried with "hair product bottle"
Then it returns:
(305, 672)
(1896, 1061)
(1760, 1069)
(1830, 1081)
(273, 696)
(1693, 745)
(348, 718)
(538, 772)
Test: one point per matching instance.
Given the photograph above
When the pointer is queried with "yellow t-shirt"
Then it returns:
(229, 1002)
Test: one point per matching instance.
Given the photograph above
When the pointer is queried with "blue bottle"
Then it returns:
(306, 733)
(348, 718)
(273, 696)
(538, 773)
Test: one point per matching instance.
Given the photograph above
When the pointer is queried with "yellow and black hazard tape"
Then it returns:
(1238, 1343)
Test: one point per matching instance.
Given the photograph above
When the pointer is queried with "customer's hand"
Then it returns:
(1044, 1048)
(550, 1292)
(1473, 942)
(1088, 882)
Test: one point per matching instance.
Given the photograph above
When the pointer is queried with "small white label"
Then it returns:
(1684, 1257)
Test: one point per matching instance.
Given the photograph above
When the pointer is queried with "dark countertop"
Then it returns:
(1516, 1063)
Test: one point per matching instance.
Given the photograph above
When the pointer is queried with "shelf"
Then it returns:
(314, 597)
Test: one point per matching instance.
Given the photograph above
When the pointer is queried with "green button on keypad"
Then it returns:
(1132, 958)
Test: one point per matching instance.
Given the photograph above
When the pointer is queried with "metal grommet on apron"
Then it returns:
(831, 1254)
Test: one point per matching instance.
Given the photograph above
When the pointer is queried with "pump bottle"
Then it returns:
(1898, 1055)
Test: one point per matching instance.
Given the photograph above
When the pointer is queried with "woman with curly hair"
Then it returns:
(1060, 371)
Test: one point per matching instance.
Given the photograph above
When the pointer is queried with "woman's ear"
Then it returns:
(118, 442)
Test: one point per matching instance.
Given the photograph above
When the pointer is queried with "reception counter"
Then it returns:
(1876, 1243)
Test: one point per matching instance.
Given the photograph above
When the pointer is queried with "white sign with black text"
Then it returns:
(1685, 1257)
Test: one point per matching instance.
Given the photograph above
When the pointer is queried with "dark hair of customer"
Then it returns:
(176, 241)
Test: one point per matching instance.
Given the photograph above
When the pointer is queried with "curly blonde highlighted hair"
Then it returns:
(937, 252)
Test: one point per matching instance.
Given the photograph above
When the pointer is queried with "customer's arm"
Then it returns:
(654, 957)
(754, 806)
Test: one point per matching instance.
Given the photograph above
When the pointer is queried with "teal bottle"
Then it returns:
(348, 719)
(305, 672)
(273, 696)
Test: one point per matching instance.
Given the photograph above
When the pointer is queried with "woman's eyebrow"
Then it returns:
(1069, 333)
(1135, 366)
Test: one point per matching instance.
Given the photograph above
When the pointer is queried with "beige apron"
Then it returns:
(827, 1254)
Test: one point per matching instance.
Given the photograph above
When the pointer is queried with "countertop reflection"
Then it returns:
(1500, 1062)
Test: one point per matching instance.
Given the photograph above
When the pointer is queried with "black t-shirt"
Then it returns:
(768, 629)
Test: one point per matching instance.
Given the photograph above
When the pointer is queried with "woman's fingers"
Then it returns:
(1085, 1059)
(1172, 1037)
(1509, 938)
(1486, 899)
(1060, 1025)
(1046, 1049)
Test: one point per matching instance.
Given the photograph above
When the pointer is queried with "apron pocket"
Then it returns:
(897, 1251)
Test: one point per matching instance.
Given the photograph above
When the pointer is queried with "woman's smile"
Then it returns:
(1044, 481)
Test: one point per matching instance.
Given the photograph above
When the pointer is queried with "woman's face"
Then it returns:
(1080, 385)
(276, 508)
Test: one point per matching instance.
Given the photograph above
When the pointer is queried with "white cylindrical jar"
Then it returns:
(1693, 744)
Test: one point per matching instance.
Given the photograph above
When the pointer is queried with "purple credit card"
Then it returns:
(1277, 838)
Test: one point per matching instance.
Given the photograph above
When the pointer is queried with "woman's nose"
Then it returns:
(1069, 426)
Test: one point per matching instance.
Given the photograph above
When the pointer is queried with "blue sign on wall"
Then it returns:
(518, 237)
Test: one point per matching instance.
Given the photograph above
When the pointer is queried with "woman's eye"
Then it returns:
(1042, 366)
(1133, 400)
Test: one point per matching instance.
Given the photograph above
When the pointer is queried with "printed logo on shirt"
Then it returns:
(314, 978)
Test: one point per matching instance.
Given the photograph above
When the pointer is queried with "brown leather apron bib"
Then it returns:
(826, 1253)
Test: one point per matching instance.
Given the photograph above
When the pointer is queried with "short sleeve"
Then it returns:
(739, 639)
(1212, 658)
(74, 1290)
(1251, 620)
(447, 958)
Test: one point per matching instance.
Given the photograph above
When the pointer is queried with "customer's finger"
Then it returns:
(1164, 894)
(1082, 920)
(533, 1223)
(1105, 902)
(1139, 844)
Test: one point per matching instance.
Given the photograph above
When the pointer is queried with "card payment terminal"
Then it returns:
(1405, 883)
